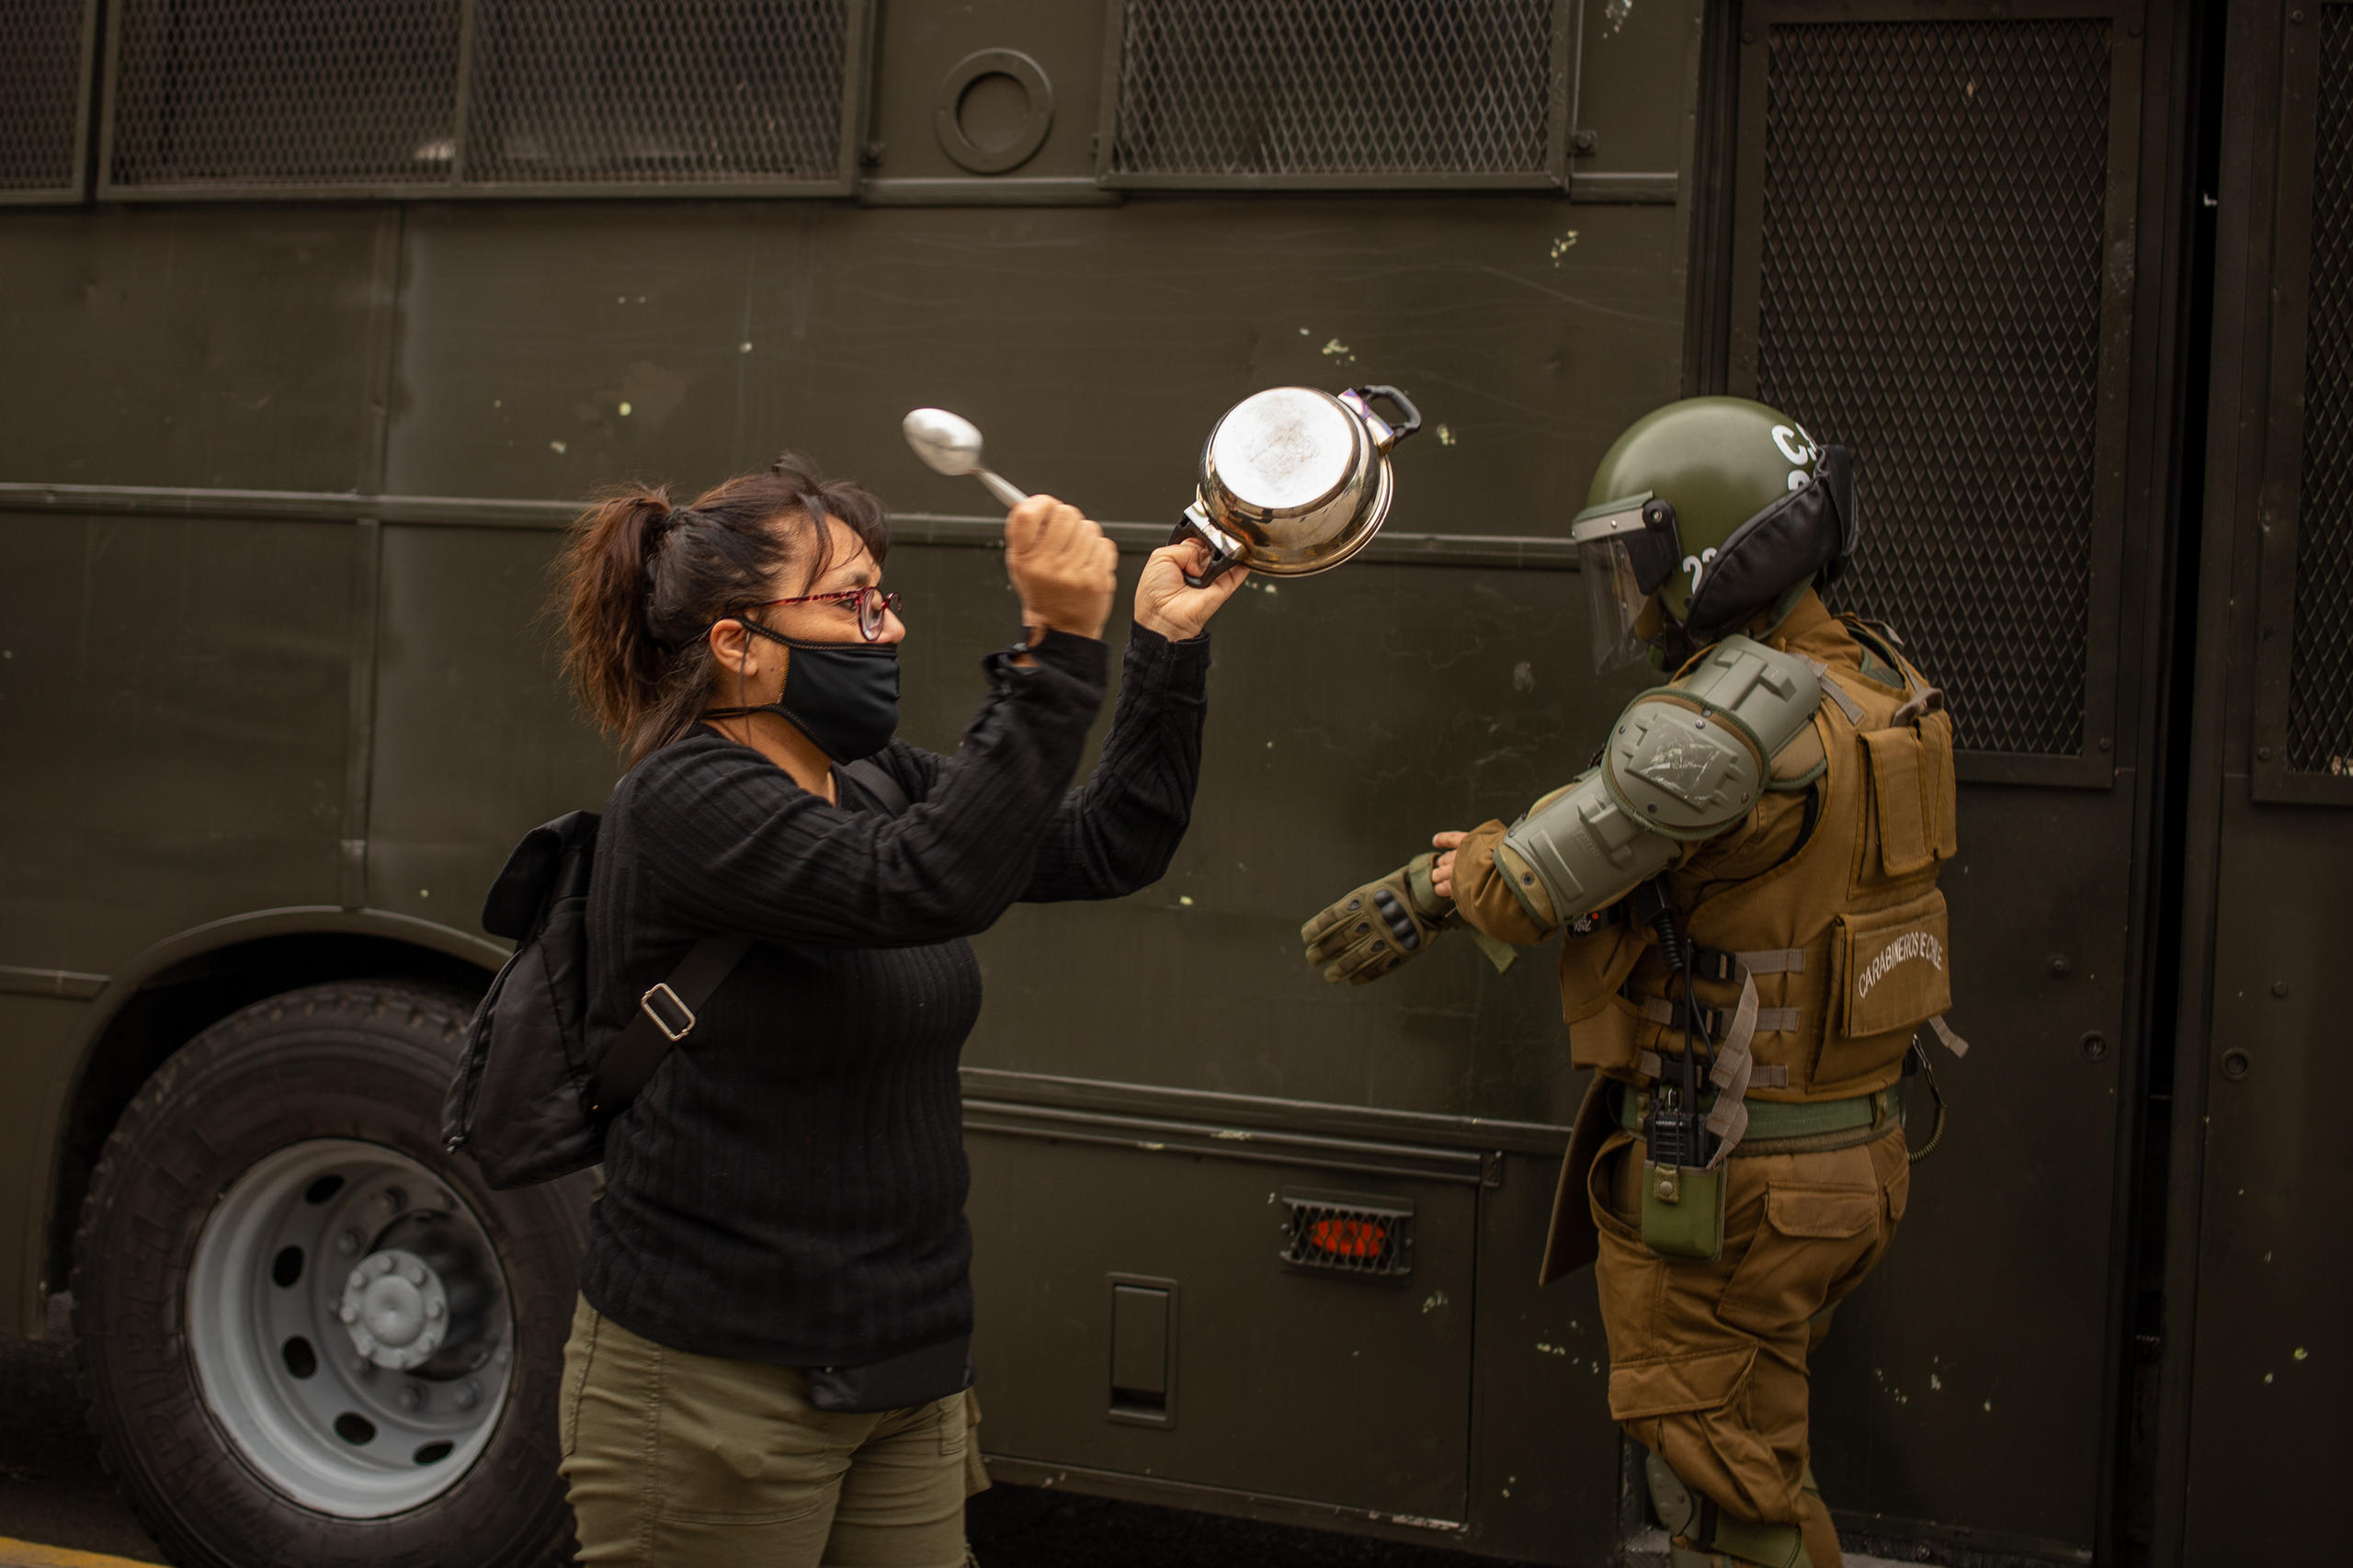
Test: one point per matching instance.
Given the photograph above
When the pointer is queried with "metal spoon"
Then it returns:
(952, 444)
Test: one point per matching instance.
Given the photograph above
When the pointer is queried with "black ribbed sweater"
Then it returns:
(789, 1186)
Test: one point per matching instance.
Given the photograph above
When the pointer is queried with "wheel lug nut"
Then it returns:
(348, 1243)
(411, 1398)
(361, 1367)
(413, 1274)
(348, 1313)
(433, 1309)
(469, 1394)
(356, 1279)
(391, 1200)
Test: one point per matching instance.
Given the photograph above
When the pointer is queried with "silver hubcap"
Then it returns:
(349, 1326)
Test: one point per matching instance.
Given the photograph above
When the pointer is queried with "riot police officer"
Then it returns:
(1745, 883)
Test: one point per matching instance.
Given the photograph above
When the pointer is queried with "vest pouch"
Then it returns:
(1888, 974)
(1602, 1027)
(1910, 783)
(1683, 1212)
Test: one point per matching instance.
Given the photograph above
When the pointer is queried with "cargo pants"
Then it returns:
(1707, 1360)
(679, 1460)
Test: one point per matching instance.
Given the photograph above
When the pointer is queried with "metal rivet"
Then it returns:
(1666, 1191)
(2236, 1065)
(2279, 988)
(2263, 753)
(1528, 879)
(2095, 1046)
(2059, 967)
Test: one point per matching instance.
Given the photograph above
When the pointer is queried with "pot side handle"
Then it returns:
(1222, 558)
(1413, 416)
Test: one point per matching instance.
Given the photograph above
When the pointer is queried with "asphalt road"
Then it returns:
(53, 1490)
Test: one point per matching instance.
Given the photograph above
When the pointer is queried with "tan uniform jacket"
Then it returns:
(1827, 889)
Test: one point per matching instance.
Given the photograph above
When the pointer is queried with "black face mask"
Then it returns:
(843, 696)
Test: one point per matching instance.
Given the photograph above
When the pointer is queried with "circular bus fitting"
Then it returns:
(946, 118)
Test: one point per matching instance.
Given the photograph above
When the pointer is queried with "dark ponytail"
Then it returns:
(641, 581)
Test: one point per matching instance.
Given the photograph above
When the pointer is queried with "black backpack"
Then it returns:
(525, 1102)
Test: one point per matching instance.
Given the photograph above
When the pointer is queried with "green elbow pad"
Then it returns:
(1684, 763)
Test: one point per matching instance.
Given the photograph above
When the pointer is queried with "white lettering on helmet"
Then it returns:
(1697, 566)
(1795, 444)
(1910, 945)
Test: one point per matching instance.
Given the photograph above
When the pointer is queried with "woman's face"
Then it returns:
(829, 620)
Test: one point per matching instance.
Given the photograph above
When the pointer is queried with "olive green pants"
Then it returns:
(678, 1461)
(1707, 1360)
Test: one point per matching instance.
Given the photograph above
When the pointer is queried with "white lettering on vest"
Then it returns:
(1911, 944)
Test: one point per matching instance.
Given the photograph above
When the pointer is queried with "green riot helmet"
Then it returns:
(1703, 513)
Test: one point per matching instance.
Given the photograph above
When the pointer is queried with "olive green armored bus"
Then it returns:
(319, 319)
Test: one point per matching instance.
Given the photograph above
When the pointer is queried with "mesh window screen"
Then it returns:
(261, 93)
(1934, 211)
(2320, 681)
(40, 95)
(1228, 89)
(660, 91)
(248, 96)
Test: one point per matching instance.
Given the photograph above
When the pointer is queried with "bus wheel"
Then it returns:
(308, 1335)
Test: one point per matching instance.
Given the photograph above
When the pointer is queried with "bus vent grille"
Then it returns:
(2320, 682)
(42, 70)
(1300, 91)
(633, 91)
(282, 93)
(275, 97)
(1368, 1239)
(1934, 216)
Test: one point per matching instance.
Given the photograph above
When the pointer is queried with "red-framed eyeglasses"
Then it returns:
(873, 607)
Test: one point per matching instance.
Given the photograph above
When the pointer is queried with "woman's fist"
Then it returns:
(1166, 604)
(1062, 566)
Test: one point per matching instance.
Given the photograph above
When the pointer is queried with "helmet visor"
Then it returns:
(1606, 537)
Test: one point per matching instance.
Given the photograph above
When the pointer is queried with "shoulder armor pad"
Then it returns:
(1684, 762)
(1689, 759)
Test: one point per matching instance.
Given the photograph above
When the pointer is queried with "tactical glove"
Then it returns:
(1377, 927)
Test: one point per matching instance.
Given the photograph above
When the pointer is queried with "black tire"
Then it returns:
(366, 1061)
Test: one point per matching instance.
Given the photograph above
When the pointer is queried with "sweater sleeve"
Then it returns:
(735, 845)
(1118, 832)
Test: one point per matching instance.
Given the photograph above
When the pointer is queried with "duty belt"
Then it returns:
(1777, 1122)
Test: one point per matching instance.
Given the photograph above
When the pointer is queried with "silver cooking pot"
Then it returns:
(1295, 480)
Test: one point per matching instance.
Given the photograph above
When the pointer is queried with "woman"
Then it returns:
(780, 1243)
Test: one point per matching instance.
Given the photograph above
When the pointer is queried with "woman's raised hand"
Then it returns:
(1062, 566)
(1442, 869)
(1166, 604)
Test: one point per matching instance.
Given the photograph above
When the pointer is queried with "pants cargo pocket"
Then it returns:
(1692, 1410)
(1812, 1239)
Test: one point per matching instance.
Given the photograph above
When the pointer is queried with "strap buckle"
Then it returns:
(646, 1005)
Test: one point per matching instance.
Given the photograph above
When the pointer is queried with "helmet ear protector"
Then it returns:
(1808, 533)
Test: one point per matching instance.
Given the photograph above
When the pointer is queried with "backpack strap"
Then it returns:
(878, 784)
(666, 1014)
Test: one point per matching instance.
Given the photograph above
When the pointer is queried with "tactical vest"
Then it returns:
(1845, 938)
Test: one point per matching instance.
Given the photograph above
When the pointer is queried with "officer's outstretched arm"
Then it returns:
(1379, 926)
(1683, 764)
